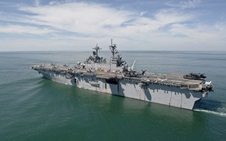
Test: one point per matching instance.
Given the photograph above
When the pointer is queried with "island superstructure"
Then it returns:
(117, 78)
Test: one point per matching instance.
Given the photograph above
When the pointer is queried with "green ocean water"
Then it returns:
(36, 109)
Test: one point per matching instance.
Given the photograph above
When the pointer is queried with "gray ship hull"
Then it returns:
(156, 93)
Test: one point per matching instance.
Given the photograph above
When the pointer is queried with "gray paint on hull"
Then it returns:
(156, 93)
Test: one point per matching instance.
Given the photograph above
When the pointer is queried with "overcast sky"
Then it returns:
(133, 24)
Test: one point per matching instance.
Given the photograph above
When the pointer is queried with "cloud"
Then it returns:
(89, 19)
(101, 20)
(184, 4)
(37, 3)
(16, 29)
(189, 3)
(86, 21)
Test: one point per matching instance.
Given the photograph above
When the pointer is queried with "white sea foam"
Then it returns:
(211, 112)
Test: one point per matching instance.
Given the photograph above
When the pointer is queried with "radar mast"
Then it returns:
(96, 52)
(113, 49)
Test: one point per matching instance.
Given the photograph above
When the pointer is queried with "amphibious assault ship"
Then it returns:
(117, 78)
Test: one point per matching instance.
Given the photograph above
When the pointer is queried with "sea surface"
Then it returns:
(36, 109)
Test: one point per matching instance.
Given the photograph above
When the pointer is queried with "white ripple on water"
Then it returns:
(211, 112)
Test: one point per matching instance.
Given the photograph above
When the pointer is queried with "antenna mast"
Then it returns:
(97, 48)
(113, 49)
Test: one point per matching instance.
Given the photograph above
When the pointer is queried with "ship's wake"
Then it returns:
(211, 107)
(211, 112)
